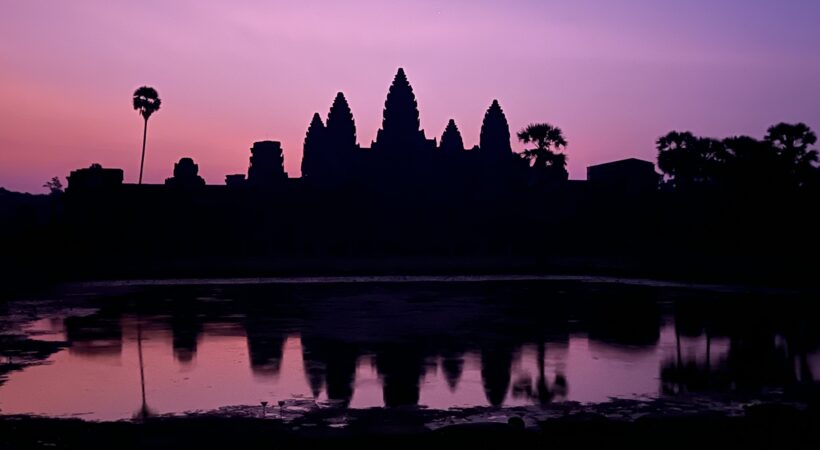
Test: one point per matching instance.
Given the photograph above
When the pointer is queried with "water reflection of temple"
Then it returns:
(330, 365)
(712, 350)
(95, 335)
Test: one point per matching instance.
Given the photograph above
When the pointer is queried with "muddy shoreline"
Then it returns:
(764, 425)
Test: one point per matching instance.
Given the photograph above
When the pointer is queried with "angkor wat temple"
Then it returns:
(405, 196)
(402, 158)
(402, 155)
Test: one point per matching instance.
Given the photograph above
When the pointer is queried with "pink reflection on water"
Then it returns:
(105, 385)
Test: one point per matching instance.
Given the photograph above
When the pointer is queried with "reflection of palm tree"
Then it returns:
(708, 351)
(146, 101)
(797, 353)
(542, 391)
(677, 346)
(144, 412)
(679, 376)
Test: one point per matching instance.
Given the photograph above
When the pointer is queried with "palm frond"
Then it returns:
(146, 101)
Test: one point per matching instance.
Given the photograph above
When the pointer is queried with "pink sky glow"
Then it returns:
(614, 75)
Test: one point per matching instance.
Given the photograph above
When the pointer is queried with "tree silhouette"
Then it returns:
(495, 133)
(792, 142)
(146, 101)
(688, 161)
(451, 141)
(313, 148)
(783, 160)
(545, 161)
(748, 161)
(54, 186)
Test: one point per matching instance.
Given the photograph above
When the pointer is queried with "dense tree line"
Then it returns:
(784, 160)
(740, 195)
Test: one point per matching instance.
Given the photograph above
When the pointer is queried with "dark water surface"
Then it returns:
(428, 343)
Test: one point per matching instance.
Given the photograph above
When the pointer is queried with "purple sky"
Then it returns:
(613, 74)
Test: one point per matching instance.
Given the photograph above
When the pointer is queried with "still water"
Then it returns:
(375, 344)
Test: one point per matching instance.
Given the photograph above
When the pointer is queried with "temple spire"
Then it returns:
(451, 141)
(495, 132)
(313, 149)
(400, 124)
(341, 128)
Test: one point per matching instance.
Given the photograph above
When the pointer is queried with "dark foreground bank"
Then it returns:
(761, 427)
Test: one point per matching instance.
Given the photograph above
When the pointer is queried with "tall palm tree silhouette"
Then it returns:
(146, 102)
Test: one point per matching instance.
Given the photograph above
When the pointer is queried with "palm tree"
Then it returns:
(793, 143)
(146, 101)
(688, 161)
(548, 140)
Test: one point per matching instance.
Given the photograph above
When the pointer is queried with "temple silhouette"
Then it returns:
(412, 203)
(402, 158)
